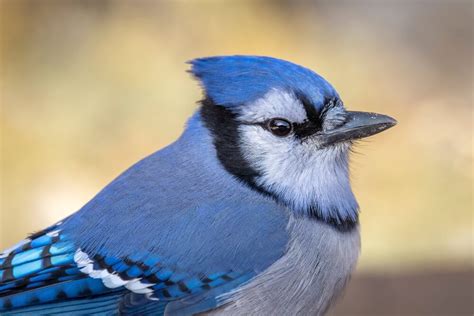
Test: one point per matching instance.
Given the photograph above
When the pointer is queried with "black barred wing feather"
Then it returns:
(47, 273)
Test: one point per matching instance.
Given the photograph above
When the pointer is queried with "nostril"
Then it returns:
(334, 118)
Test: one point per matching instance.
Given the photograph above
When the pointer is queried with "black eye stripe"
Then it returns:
(315, 120)
(301, 130)
(311, 112)
(312, 125)
(306, 129)
(267, 125)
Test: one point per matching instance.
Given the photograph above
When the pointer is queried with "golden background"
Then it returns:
(88, 88)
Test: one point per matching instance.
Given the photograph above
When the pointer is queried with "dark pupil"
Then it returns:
(279, 127)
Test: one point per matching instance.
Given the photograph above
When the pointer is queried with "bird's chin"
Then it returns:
(342, 146)
(322, 144)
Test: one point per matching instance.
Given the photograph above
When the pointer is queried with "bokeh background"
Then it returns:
(90, 87)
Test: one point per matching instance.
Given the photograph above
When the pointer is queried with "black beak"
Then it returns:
(359, 125)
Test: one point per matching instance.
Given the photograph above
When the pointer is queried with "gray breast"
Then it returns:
(306, 280)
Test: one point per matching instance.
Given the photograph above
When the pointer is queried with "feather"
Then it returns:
(236, 80)
(213, 221)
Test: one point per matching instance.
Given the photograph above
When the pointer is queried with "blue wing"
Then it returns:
(157, 237)
(40, 270)
(48, 274)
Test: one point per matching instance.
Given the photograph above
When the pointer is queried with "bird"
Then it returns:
(249, 212)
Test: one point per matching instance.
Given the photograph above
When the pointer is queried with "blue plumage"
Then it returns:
(164, 232)
(250, 211)
(236, 80)
(48, 273)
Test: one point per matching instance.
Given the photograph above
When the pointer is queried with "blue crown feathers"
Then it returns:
(236, 80)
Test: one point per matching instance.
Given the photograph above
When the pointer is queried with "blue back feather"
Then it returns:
(192, 231)
(191, 217)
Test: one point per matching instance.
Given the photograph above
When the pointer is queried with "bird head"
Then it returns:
(284, 131)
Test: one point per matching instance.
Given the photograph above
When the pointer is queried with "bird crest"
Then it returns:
(237, 80)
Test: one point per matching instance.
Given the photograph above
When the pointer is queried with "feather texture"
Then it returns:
(213, 222)
(181, 259)
(235, 80)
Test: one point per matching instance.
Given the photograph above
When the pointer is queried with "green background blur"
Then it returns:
(90, 87)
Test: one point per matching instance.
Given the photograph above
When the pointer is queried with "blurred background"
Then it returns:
(90, 87)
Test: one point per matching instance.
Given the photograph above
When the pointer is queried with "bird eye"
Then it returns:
(279, 127)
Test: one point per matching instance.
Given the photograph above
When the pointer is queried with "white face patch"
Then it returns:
(275, 104)
(299, 169)
(301, 173)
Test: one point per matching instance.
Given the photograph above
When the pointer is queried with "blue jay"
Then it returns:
(249, 212)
